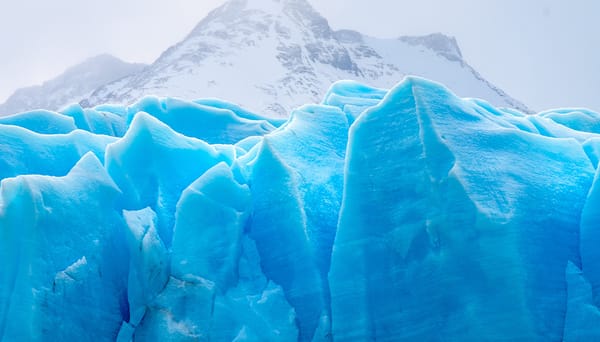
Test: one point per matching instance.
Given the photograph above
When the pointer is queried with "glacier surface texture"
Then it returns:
(408, 214)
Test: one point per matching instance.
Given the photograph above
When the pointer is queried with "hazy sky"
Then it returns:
(544, 52)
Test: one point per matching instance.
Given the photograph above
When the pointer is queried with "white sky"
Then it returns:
(543, 52)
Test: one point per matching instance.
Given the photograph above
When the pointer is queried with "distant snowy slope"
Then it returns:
(273, 55)
(73, 85)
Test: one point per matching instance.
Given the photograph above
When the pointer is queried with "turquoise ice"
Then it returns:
(389, 215)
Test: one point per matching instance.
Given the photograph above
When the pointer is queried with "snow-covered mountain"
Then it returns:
(75, 84)
(273, 55)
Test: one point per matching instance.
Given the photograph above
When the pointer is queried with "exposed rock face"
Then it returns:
(271, 56)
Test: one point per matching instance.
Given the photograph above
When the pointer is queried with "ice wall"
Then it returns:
(402, 214)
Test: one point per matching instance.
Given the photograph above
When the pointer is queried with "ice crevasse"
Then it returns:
(388, 215)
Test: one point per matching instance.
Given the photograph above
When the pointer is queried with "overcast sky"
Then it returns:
(545, 53)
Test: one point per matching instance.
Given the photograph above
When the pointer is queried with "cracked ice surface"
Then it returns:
(402, 214)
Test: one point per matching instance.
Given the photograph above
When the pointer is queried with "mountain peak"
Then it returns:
(73, 85)
(235, 12)
(268, 5)
(273, 55)
(265, 6)
(102, 63)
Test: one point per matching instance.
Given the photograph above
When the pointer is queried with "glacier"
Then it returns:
(387, 215)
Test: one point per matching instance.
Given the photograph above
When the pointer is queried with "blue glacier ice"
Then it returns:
(406, 214)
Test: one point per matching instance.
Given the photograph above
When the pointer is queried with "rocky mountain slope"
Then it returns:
(75, 84)
(273, 55)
